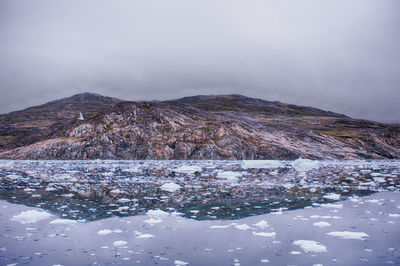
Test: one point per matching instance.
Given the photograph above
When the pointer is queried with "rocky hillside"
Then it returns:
(199, 127)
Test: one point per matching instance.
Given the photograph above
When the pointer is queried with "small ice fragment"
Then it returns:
(242, 227)
(229, 175)
(310, 246)
(322, 224)
(31, 216)
(104, 232)
(152, 221)
(156, 213)
(118, 231)
(265, 234)
(262, 224)
(124, 200)
(180, 262)
(120, 243)
(170, 187)
(332, 206)
(144, 236)
(63, 221)
(295, 252)
(303, 165)
(349, 235)
(69, 195)
(188, 169)
(261, 164)
(373, 201)
(264, 261)
(222, 226)
(332, 196)
(394, 215)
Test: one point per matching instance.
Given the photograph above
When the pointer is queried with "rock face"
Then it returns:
(199, 127)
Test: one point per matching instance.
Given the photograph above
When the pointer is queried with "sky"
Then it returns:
(337, 55)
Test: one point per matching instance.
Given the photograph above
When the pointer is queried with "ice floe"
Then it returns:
(170, 187)
(63, 221)
(262, 224)
(322, 224)
(152, 221)
(157, 213)
(303, 165)
(310, 246)
(188, 169)
(262, 164)
(229, 175)
(120, 243)
(332, 205)
(180, 262)
(104, 232)
(332, 196)
(349, 235)
(243, 227)
(31, 216)
(265, 234)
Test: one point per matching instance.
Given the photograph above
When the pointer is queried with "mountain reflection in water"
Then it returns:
(92, 190)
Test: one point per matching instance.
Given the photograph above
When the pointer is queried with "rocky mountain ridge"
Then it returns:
(198, 127)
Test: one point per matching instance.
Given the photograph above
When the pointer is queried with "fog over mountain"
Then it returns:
(340, 55)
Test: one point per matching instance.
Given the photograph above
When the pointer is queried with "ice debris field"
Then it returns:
(200, 212)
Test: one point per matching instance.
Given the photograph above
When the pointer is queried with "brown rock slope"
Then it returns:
(199, 127)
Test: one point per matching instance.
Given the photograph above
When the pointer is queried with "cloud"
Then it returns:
(337, 55)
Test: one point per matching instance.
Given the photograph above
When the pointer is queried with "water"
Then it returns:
(114, 194)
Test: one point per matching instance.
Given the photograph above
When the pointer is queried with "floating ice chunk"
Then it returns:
(229, 175)
(156, 213)
(394, 215)
(332, 196)
(153, 221)
(264, 234)
(242, 227)
(373, 201)
(322, 224)
(332, 205)
(63, 221)
(349, 235)
(303, 165)
(123, 200)
(295, 252)
(170, 187)
(264, 261)
(325, 217)
(104, 232)
(31, 216)
(118, 231)
(180, 262)
(116, 191)
(262, 224)
(261, 164)
(69, 195)
(120, 243)
(144, 236)
(222, 226)
(188, 169)
(310, 246)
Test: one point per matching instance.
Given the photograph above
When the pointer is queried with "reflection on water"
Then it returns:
(93, 190)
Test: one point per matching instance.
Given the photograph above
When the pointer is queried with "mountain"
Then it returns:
(198, 127)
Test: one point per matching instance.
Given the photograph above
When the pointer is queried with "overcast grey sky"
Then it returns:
(338, 55)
